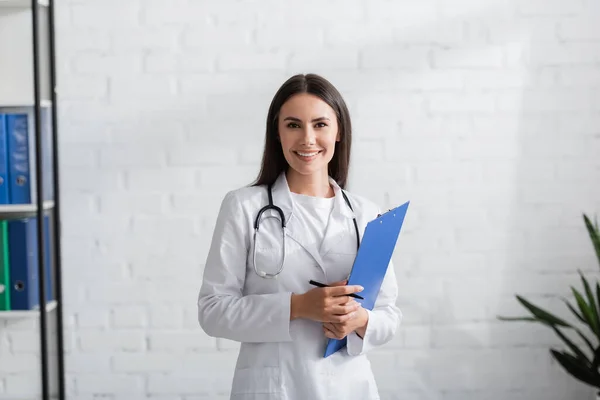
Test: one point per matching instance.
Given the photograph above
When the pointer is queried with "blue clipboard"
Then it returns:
(372, 260)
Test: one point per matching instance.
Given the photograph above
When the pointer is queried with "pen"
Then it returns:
(319, 284)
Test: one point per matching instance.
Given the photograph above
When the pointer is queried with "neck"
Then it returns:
(316, 185)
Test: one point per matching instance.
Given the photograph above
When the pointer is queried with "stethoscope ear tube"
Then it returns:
(270, 206)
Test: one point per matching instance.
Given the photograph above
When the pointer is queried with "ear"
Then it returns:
(338, 138)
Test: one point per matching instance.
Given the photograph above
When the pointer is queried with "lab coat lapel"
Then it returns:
(339, 227)
(340, 222)
(283, 199)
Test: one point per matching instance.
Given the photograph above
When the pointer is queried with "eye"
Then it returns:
(321, 124)
(293, 125)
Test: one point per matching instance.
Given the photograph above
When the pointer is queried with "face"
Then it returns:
(308, 131)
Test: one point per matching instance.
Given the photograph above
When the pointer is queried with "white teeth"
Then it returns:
(307, 154)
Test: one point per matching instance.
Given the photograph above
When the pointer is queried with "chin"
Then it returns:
(306, 171)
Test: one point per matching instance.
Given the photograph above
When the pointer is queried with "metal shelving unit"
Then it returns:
(28, 78)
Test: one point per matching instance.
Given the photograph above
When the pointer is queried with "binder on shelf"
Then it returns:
(24, 293)
(49, 259)
(23, 260)
(20, 133)
(4, 180)
(4, 268)
(372, 261)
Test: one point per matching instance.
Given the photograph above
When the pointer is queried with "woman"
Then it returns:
(257, 293)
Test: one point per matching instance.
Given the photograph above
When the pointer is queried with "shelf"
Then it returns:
(17, 211)
(21, 3)
(20, 104)
(50, 306)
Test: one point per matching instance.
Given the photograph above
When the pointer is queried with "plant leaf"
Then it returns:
(574, 311)
(580, 354)
(575, 368)
(585, 311)
(534, 319)
(587, 341)
(596, 361)
(598, 293)
(543, 315)
(527, 319)
(592, 302)
(594, 235)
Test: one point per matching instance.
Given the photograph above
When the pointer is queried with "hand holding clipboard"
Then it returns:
(372, 260)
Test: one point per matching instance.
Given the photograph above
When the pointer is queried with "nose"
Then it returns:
(309, 138)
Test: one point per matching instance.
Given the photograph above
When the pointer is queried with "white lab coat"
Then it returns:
(282, 359)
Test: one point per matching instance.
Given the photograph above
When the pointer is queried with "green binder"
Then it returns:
(4, 268)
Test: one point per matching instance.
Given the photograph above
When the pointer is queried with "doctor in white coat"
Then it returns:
(256, 289)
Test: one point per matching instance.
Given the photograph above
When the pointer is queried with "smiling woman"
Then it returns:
(307, 115)
(297, 224)
(308, 142)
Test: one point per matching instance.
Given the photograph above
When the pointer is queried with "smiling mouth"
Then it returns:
(307, 155)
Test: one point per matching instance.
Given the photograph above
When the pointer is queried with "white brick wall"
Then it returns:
(485, 114)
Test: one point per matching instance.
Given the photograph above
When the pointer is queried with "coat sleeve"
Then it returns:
(383, 321)
(223, 310)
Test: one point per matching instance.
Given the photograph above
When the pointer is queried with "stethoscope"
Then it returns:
(271, 206)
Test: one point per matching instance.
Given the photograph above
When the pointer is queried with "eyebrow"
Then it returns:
(299, 120)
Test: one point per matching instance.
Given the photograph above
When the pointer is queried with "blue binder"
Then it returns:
(24, 259)
(48, 257)
(20, 148)
(372, 260)
(4, 179)
(23, 254)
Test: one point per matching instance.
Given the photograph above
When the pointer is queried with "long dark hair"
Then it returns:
(273, 160)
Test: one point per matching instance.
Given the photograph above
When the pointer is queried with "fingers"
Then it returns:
(340, 319)
(334, 332)
(330, 333)
(346, 308)
(339, 283)
(343, 290)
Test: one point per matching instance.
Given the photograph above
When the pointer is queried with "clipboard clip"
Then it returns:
(392, 209)
(385, 212)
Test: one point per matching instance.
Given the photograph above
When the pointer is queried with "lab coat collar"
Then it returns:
(334, 233)
(282, 198)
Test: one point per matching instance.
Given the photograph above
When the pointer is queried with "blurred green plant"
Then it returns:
(580, 362)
